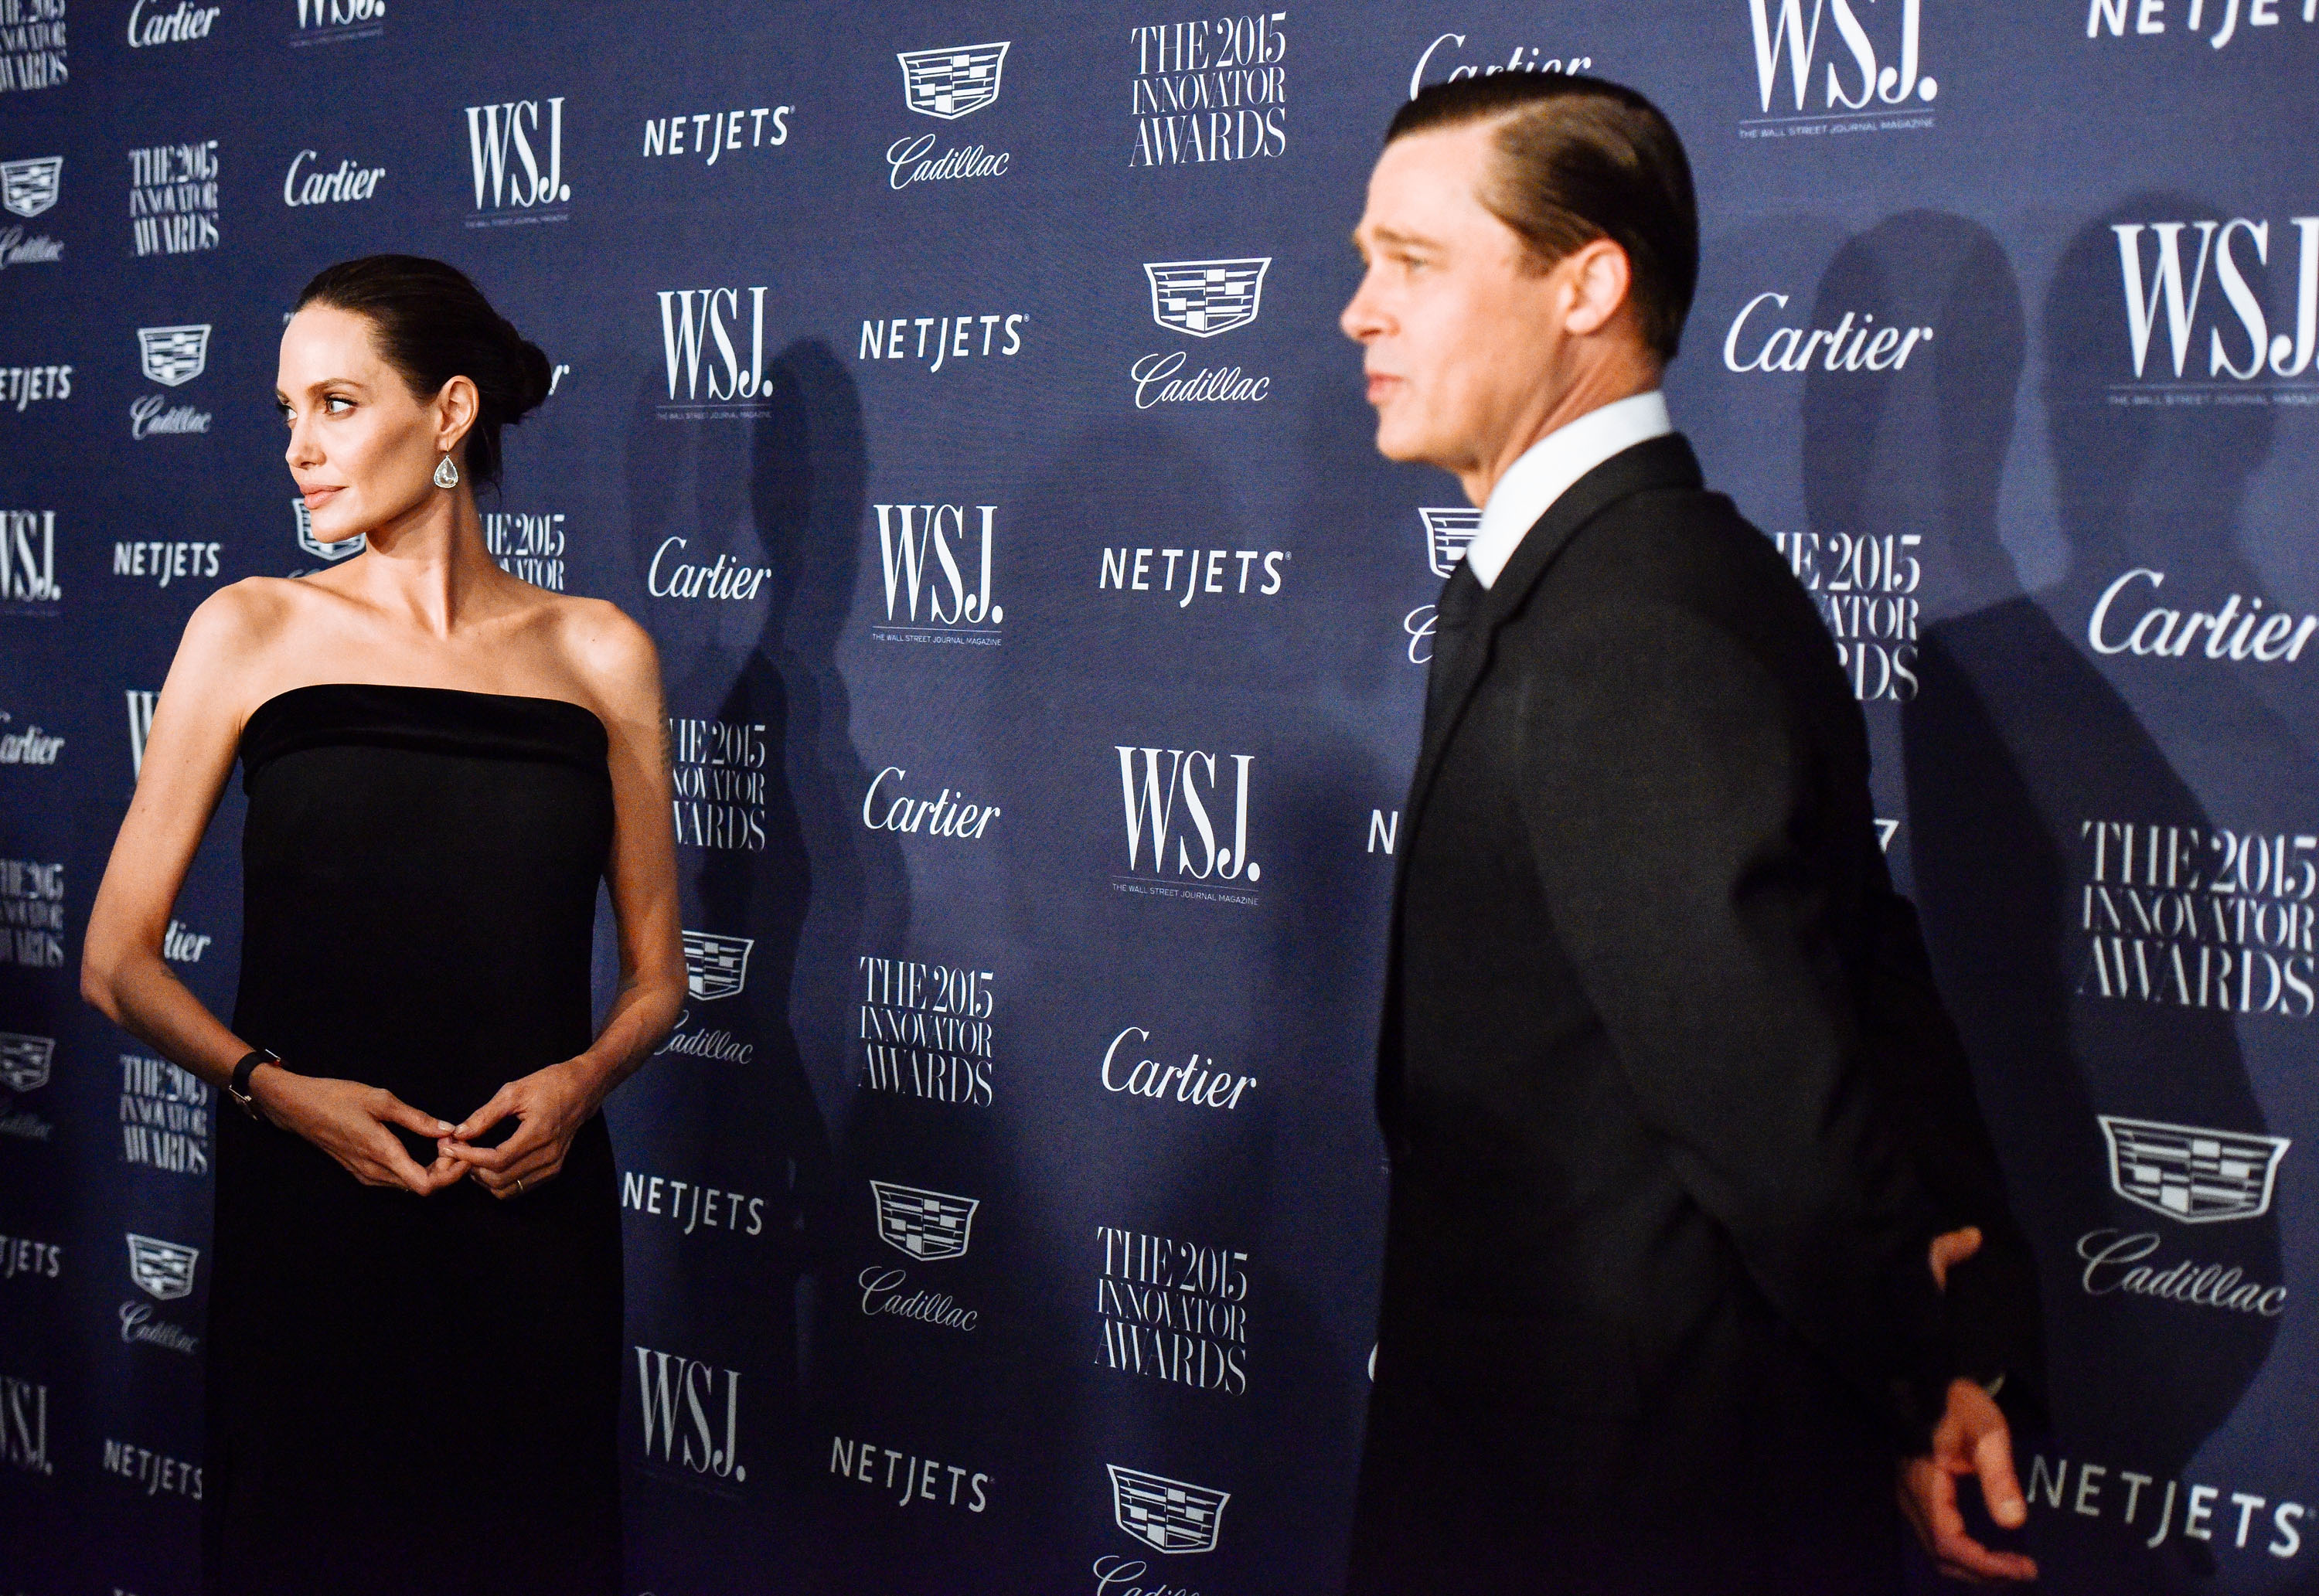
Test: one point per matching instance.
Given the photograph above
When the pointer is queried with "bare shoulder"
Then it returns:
(611, 653)
(240, 622)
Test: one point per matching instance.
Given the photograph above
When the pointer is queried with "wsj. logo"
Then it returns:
(1520, 58)
(141, 725)
(28, 558)
(1150, 803)
(25, 1060)
(330, 22)
(665, 1380)
(2149, 18)
(2187, 1173)
(1200, 299)
(1784, 30)
(344, 184)
(1166, 1515)
(907, 535)
(302, 519)
(152, 26)
(953, 83)
(28, 187)
(930, 1226)
(692, 317)
(716, 966)
(2222, 243)
(24, 1425)
(162, 1270)
(492, 132)
(2165, 634)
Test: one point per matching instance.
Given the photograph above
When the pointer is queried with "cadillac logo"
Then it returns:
(315, 545)
(951, 82)
(28, 187)
(927, 1225)
(25, 1060)
(716, 966)
(162, 1269)
(1166, 1515)
(1448, 530)
(1205, 297)
(2193, 1175)
(173, 355)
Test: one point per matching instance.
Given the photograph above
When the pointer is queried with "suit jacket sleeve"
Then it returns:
(1996, 1326)
(1671, 795)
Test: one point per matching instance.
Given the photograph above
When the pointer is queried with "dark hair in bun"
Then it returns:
(432, 324)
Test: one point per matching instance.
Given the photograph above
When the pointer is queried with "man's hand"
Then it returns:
(1972, 1438)
(1950, 1249)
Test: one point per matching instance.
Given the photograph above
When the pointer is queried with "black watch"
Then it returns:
(237, 1087)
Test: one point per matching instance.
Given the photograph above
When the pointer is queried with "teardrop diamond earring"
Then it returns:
(447, 474)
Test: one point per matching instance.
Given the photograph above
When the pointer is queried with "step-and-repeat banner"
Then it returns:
(954, 391)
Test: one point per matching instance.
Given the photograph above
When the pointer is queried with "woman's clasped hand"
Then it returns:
(356, 1125)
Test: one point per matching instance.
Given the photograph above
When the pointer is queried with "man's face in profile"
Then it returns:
(1456, 322)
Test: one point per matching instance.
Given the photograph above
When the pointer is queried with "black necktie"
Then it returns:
(1453, 622)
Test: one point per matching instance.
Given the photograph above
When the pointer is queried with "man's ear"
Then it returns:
(1598, 277)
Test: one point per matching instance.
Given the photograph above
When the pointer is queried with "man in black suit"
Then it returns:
(1674, 1114)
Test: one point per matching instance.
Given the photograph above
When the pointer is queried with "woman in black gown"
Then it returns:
(415, 1315)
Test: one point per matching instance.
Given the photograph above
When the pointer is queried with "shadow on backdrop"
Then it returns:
(2019, 750)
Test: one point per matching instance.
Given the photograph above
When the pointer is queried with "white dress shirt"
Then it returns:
(1546, 468)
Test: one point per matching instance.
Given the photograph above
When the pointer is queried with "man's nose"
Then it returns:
(1359, 319)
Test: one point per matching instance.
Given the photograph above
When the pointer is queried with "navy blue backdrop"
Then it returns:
(954, 391)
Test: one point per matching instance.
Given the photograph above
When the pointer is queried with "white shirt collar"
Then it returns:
(1548, 468)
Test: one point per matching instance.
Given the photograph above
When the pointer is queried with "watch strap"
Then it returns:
(237, 1087)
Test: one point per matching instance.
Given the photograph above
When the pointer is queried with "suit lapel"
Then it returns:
(1662, 462)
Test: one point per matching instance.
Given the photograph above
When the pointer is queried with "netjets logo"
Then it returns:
(174, 355)
(941, 552)
(531, 132)
(1200, 299)
(28, 187)
(28, 561)
(930, 1226)
(690, 320)
(25, 1060)
(2191, 1174)
(1166, 1515)
(302, 519)
(716, 966)
(1205, 297)
(1172, 795)
(1862, 90)
(2152, 275)
(953, 83)
(162, 1270)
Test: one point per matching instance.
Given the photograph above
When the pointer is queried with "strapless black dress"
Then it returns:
(415, 1393)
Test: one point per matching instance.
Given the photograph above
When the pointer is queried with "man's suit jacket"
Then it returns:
(1664, 1080)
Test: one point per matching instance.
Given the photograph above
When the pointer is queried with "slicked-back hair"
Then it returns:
(1579, 158)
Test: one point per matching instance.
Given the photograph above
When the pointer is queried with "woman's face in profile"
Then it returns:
(361, 444)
